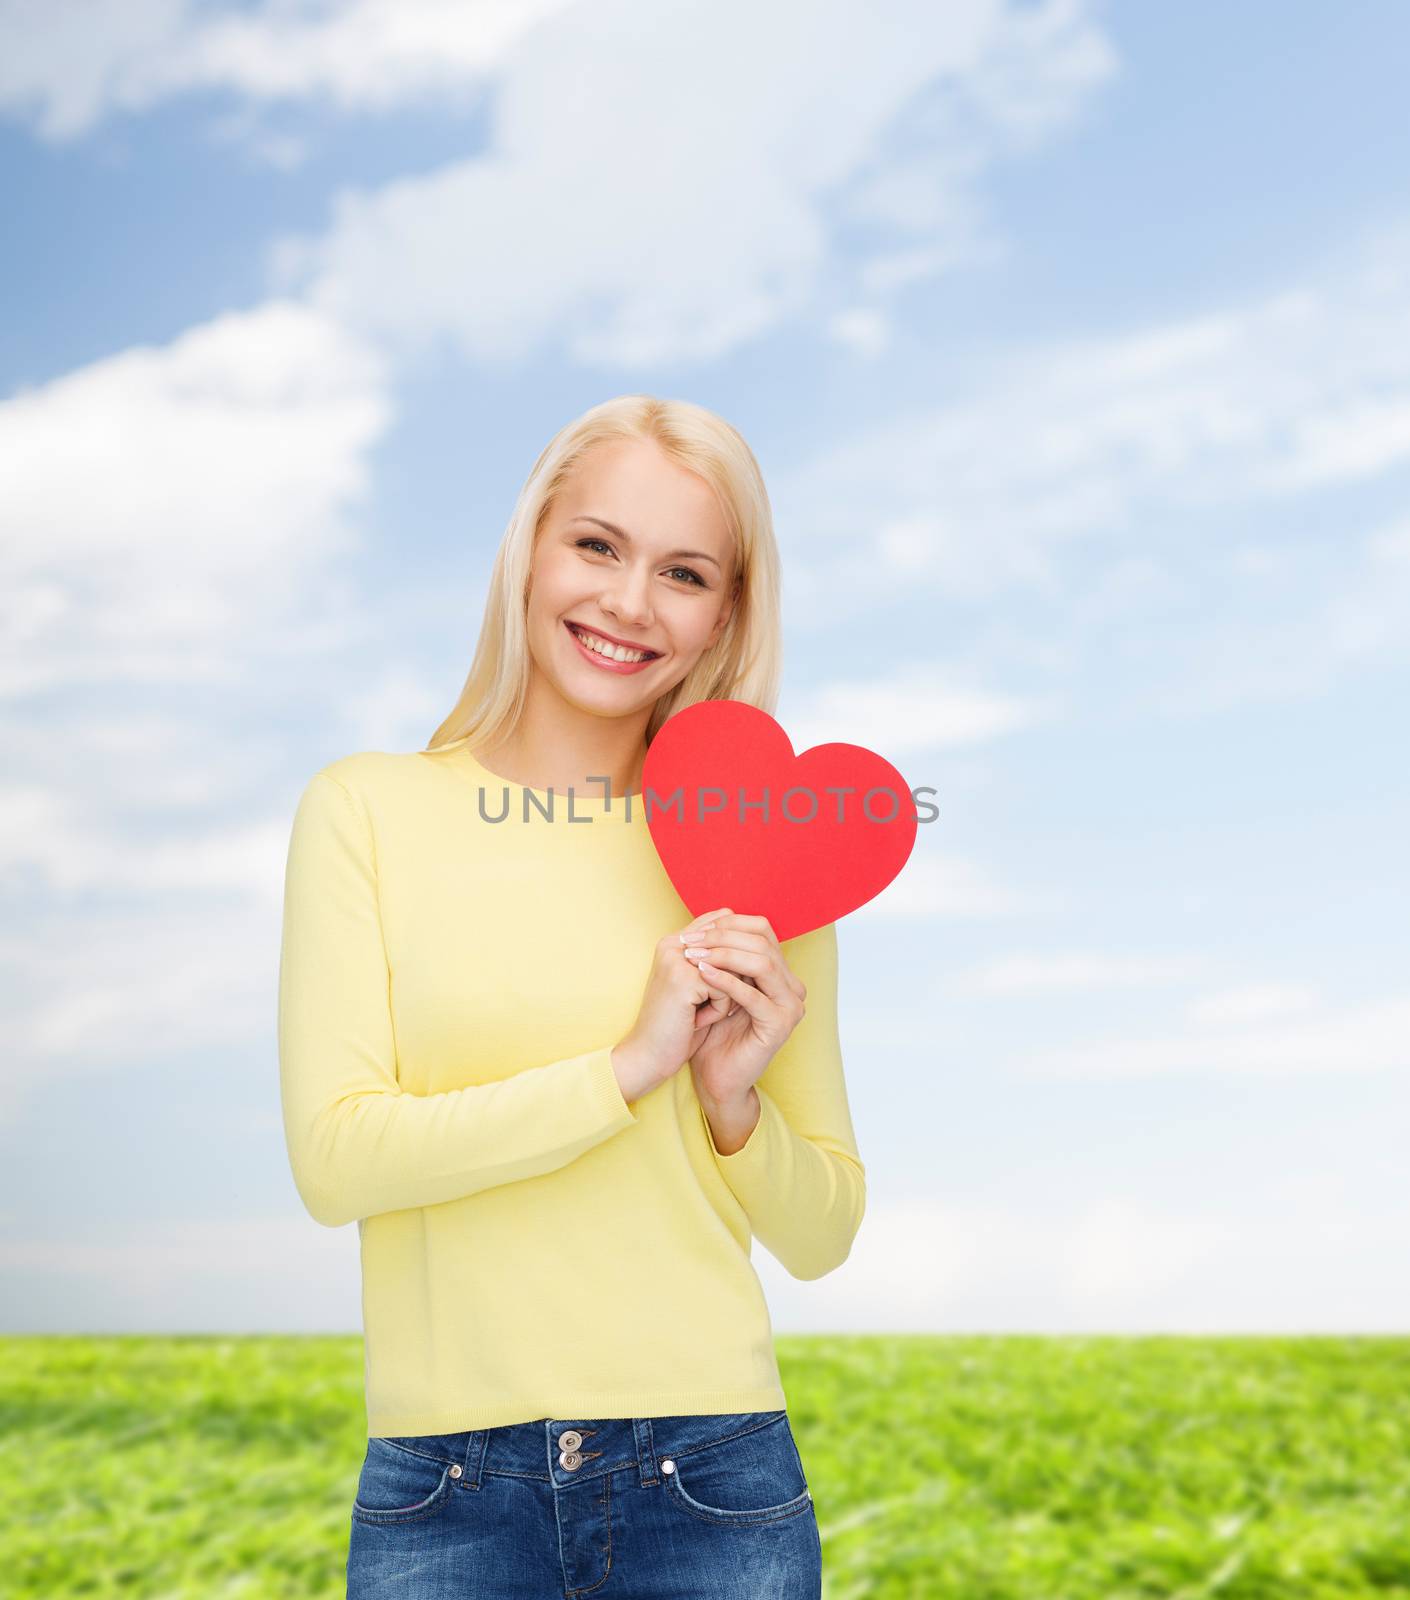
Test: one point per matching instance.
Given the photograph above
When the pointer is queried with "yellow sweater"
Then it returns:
(533, 1245)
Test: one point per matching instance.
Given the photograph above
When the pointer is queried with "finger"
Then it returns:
(719, 1003)
(703, 943)
(767, 971)
(759, 937)
(696, 923)
(714, 996)
(752, 1000)
(693, 964)
(767, 1013)
(762, 928)
(747, 963)
(759, 925)
(736, 937)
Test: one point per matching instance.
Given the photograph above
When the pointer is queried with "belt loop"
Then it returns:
(645, 1451)
(475, 1446)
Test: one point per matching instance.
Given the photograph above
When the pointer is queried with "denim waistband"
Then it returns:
(530, 1449)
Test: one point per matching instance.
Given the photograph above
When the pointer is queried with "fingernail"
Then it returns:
(697, 933)
(696, 950)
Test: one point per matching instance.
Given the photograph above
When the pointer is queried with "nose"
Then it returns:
(629, 599)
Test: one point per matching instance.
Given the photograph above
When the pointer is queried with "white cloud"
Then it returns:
(863, 329)
(1369, 1038)
(1334, 611)
(152, 980)
(281, 1274)
(932, 885)
(640, 215)
(167, 503)
(915, 708)
(1121, 1253)
(892, 269)
(67, 64)
(1116, 1264)
(1256, 1002)
(735, 171)
(1067, 972)
(176, 515)
(398, 710)
(1151, 446)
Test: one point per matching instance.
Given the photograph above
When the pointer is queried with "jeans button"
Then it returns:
(571, 1459)
(668, 1465)
(569, 1439)
(456, 1470)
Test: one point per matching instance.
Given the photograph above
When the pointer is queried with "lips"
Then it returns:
(601, 663)
(626, 644)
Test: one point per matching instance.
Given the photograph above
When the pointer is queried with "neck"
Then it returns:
(576, 753)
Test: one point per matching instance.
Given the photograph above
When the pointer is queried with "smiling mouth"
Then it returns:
(588, 637)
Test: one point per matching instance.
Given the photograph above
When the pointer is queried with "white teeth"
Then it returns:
(613, 652)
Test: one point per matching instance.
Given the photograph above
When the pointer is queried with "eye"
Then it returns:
(692, 576)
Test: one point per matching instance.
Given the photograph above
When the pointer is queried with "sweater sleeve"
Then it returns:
(799, 1177)
(358, 1144)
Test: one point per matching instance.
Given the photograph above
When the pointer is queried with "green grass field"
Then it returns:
(978, 1468)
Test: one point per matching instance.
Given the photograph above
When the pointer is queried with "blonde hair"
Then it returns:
(744, 663)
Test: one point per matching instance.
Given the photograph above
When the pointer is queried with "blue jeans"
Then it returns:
(643, 1508)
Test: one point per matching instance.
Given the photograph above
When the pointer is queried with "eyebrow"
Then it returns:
(701, 555)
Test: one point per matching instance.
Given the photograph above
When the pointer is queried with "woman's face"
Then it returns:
(637, 547)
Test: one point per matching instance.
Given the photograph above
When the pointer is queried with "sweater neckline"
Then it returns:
(584, 800)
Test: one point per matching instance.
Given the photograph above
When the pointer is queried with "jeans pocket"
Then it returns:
(400, 1483)
(750, 1477)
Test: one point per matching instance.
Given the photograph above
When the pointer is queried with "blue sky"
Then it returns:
(1074, 341)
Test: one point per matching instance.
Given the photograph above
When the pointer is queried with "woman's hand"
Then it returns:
(678, 1009)
(742, 958)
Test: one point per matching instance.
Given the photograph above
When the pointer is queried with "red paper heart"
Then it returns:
(805, 865)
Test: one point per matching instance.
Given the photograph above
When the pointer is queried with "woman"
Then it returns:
(488, 992)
